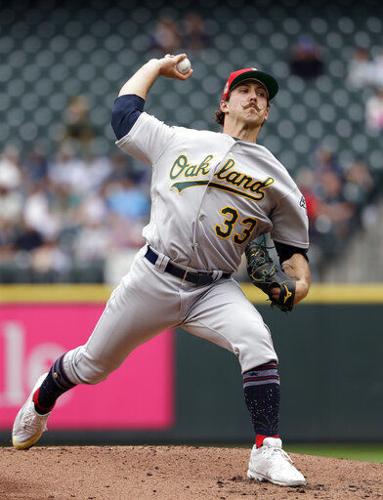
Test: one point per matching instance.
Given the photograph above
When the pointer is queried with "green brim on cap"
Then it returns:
(267, 80)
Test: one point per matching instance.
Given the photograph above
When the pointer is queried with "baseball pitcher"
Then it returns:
(213, 194)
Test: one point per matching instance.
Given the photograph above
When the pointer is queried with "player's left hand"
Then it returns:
(168, 67)
(265, 275)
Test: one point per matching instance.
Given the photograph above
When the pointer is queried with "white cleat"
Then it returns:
(271, 463)
(29, 425)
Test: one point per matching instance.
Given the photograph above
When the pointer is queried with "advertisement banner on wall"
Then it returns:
(139, 395)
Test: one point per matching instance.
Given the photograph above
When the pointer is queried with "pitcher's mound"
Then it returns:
(172, 472)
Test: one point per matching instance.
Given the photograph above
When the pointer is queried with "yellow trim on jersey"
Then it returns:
(366, 293)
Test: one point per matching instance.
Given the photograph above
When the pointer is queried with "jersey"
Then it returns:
(212, 193)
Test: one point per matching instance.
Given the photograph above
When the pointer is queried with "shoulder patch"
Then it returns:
(302, 202)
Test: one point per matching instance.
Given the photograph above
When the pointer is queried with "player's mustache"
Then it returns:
(252, 104)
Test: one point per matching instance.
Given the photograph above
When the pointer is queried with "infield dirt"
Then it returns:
(172, 472)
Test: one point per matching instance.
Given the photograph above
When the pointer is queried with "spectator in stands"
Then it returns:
(326, 160)
(195, 36)
(11, 203)
(7, 238)
(334, 211)
(27, 238)
(165, 37)
(35, 166)
(374, 111)
(78, 130)
(70, 170)
(334, 197)
(358, 183)
(127, 200)
(123, 168)
(378, 69)
(93, 242)
(125, 233)
(10, 172)
(98, 169)
(128, 206)
(38, 214)
(64, 204)
(306, 60)
(93, 209)
(11, 200)
(48, 261)
(361, 69)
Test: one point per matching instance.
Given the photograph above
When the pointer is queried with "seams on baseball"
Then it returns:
(184, 66)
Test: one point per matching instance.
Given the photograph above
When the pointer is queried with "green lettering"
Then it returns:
(204, 167)
(178, 166)
(182, 167)
(190, 171)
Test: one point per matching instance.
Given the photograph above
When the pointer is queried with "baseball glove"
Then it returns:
(266, 275)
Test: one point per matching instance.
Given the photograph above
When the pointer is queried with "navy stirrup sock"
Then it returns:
(262, 396)
(55, 384)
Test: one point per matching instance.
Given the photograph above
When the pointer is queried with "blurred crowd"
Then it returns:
(366, 72)
(190, 35)
(306, 59)
(63, 217)
(336, 196)
(60, 218)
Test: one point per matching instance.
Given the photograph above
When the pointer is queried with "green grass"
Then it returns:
(365, 452)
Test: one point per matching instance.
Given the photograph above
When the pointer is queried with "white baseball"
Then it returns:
(184, 65)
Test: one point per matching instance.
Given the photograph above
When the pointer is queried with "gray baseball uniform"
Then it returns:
(210, 195)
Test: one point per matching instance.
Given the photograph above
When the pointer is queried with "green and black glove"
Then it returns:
(266, 275)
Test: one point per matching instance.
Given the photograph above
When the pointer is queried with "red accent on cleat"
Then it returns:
(260, 438)
(35, 397)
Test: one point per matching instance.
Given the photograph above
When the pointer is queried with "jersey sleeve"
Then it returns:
(290, 221)
(147, 139)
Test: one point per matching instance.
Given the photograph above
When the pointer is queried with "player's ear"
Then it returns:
(267, 111)
(223, 105)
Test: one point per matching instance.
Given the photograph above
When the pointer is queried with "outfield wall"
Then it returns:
(179, 388)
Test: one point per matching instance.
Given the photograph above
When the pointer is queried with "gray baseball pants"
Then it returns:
(149, 300)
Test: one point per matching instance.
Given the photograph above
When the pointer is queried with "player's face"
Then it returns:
(248, 103)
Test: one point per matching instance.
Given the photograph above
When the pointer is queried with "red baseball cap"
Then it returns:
(241, 75)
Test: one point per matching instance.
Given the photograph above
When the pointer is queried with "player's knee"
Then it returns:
(269, 369)
(82, 368)
(257, 351)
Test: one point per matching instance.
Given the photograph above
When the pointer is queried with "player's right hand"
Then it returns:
(168, 67)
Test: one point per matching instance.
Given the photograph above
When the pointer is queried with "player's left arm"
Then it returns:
(298, 268)
(295, 264)
(291, 239)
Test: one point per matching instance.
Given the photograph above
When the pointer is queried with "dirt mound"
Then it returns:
(171, 472)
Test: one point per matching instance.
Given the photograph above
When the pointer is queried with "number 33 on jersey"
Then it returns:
(213, 201)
